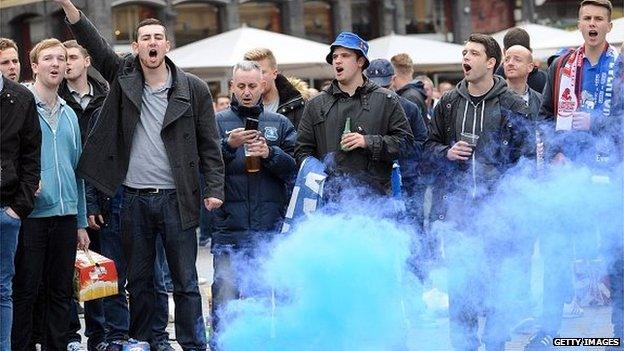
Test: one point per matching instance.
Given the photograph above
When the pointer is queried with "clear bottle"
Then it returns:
(346, 130)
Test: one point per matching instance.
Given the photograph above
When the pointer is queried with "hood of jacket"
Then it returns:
(366, 88)
(286, 91)
(418, 86)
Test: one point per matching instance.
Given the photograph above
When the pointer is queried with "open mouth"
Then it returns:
(339, 69)
(593, 33)
(467, 67)
(54, 73)
(68, 71)
(153, 53)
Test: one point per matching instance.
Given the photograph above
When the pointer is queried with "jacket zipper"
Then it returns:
(58, 173)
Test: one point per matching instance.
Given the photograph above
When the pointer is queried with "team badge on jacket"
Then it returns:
(270, 133)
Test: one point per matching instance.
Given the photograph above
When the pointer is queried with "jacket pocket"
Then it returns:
(8, 174)
(50, 191)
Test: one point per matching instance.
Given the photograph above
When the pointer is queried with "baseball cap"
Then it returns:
(380, 72)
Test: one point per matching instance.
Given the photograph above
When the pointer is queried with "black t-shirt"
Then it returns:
(477, 99)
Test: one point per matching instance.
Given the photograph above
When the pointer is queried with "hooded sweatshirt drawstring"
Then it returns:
(474, 127)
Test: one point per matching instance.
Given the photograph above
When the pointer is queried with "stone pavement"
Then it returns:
(595, 322)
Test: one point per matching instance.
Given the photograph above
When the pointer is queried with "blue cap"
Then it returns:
(350, 41)
(380, 72)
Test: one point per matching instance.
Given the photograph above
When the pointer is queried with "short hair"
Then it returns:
(423, 78)
(6, 43)
(246, 66)
(601, 3)
(403, 64)
(73, 44)
(222, 96)
(517, 36)
(259, 54)
(492, 49)
(42, 45)
(147, 22)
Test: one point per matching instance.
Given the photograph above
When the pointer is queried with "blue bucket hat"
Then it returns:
(351, 41)
(380, 72)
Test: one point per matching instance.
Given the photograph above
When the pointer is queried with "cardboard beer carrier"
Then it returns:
(95, 276)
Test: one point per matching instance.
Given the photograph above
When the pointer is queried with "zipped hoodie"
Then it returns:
(499, 118)
(62, 192)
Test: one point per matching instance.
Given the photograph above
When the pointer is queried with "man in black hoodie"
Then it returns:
(279, 95)
(482, 105)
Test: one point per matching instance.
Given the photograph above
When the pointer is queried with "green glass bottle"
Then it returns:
(347, 129)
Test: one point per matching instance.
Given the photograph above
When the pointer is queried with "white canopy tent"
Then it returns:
(545, 41)
(428, 55)
(212, 58)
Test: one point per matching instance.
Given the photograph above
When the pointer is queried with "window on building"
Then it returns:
(365, 18)
(126, 17)
(261, 14)
(419, 16)
(195, 21)
(318, 21)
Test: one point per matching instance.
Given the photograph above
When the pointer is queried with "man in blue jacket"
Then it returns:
(47, 243)
(255, 201)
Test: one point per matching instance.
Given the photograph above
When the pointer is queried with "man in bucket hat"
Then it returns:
(356, 127)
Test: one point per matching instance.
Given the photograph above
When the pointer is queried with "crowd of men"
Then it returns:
(128, 155)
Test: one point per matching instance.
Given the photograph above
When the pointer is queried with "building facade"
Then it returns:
(28, 21)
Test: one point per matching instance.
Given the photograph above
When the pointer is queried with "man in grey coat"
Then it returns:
(156, 132)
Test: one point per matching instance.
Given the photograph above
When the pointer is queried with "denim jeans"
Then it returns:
(144, 218)
(9, 229)
(44, 264)
(116, 314)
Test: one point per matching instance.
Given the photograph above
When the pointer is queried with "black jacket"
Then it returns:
(254, 202)
(502, 123)
(415, 92)
(20, 148)
(189, 130)
(291, 102)
(86, 115)
(97, 201)
(410, 159)
(374, 112)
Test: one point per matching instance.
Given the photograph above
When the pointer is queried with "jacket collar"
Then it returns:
(286, 91)
(131, 81)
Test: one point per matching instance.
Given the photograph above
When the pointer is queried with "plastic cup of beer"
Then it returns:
(252, 163)
(470, 139)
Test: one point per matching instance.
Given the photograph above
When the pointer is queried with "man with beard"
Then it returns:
(580, 105)
(377, 128)
(466, 170)
(19, 173)
(46, 252)
(279, 96)
(155, 134)
(255, 201)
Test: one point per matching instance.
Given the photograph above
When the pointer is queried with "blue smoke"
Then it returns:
(341, 283)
